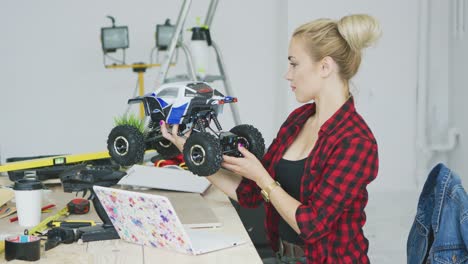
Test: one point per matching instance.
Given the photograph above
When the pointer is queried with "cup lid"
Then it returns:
(27, 184)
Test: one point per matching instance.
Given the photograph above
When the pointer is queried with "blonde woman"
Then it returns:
(313, 178)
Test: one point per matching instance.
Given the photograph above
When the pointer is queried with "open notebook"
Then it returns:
(151, 220)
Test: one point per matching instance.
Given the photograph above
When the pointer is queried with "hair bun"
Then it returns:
(359, 31)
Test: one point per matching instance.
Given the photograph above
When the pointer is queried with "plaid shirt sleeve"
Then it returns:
(351, 166)
(248, 193)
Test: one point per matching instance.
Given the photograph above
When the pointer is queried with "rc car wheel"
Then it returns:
(166, 149)
(202, 154)
(126, 145)
(256, 143)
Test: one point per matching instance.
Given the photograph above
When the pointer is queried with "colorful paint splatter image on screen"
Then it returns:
(146, 220)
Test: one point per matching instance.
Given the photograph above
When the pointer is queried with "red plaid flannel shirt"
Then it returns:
(333, 188)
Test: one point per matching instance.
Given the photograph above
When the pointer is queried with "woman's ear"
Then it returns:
(327, 66)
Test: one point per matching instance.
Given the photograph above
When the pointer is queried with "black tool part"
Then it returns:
(82, 178)
(41, 173)
(98, 233)
(50, 172)
(58, 235)
(51, 243)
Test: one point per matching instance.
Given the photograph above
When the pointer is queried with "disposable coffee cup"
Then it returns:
(28, 196)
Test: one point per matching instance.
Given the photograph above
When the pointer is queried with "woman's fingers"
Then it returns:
(175, 130)
(231, 167)
(187, 134)
(173, 135)
(244, 151)
(234, 164)
(166, 133)
(227, 165)
(230, 160)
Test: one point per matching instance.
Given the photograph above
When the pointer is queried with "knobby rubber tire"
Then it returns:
(253, 136)
(205, 145)
(166, 149)
(135, 147)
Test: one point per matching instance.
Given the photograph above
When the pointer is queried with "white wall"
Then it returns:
(458, 90)
(56, 96)
(446, 81)
(385, 86)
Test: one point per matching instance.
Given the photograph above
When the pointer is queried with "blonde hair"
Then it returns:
(341, 40)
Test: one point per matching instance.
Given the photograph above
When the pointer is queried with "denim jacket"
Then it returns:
(440, 230)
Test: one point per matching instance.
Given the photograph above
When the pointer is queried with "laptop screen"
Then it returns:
(145, 219)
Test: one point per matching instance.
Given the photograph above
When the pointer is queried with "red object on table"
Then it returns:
(177, 160)
(78, 206)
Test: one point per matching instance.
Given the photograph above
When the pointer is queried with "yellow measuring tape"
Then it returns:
(42, 226)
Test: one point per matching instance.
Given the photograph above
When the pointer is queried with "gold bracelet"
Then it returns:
(266, 192)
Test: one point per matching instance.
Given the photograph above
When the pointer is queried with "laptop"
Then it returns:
(150, 220)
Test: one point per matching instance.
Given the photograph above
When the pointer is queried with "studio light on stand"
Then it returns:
(116, 38)
(112, 39)
(164, 33)
(163, 37)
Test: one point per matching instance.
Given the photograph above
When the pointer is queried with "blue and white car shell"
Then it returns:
(177, 103)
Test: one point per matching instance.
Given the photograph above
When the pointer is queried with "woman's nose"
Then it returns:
(287, 76)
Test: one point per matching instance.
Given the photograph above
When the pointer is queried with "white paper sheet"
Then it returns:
(164, 178)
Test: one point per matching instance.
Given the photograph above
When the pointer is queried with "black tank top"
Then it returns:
(289, 175)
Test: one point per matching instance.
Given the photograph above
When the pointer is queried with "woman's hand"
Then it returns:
(173, 137)
(248, 166)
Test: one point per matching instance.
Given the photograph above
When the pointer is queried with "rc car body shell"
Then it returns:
(177, 103)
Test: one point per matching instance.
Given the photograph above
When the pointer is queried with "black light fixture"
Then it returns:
(164, 35)
(113, 38)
